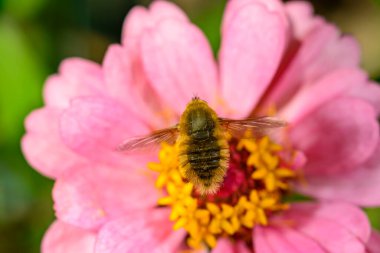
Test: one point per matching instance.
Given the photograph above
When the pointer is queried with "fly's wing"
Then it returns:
(258, 127)
(168, 135)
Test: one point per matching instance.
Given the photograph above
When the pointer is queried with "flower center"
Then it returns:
(257, 178)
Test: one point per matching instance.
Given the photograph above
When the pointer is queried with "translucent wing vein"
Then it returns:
(168, 135)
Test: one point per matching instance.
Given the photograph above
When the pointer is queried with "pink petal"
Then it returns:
(118, 73)
(311, 227)
(280, 240)
(373, 245)
(179, 63)
(325, 223)
(337, 52)
(359, 186)
(77, 77)
(63, 238)
(121, 83)
(224, 245)
(302, 17)
(127, 83)
(370, 93)
(42, 144)
(94, 127)
(165, 9)
(337, 137)
(234, 6)
(354, 219)
(145, 232)
(133, 27)
(329, 87)
(139, 19)
(252, 46)
(89, 196)
(142, 95)
(321, 52)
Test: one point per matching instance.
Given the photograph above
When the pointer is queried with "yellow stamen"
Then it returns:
(204, 220)
(266, 161)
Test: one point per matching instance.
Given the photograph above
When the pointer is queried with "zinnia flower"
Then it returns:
(274, 59)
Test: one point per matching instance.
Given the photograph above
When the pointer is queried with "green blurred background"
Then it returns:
(35, 35)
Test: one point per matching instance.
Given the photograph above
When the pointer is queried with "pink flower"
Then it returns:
(273, 55)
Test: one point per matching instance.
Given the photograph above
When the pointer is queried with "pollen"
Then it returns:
(257, 179)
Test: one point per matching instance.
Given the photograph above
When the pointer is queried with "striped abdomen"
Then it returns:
(208, 161)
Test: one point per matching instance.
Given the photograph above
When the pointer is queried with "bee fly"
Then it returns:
(202, 142)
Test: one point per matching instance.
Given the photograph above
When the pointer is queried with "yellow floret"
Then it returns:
(205, 221)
